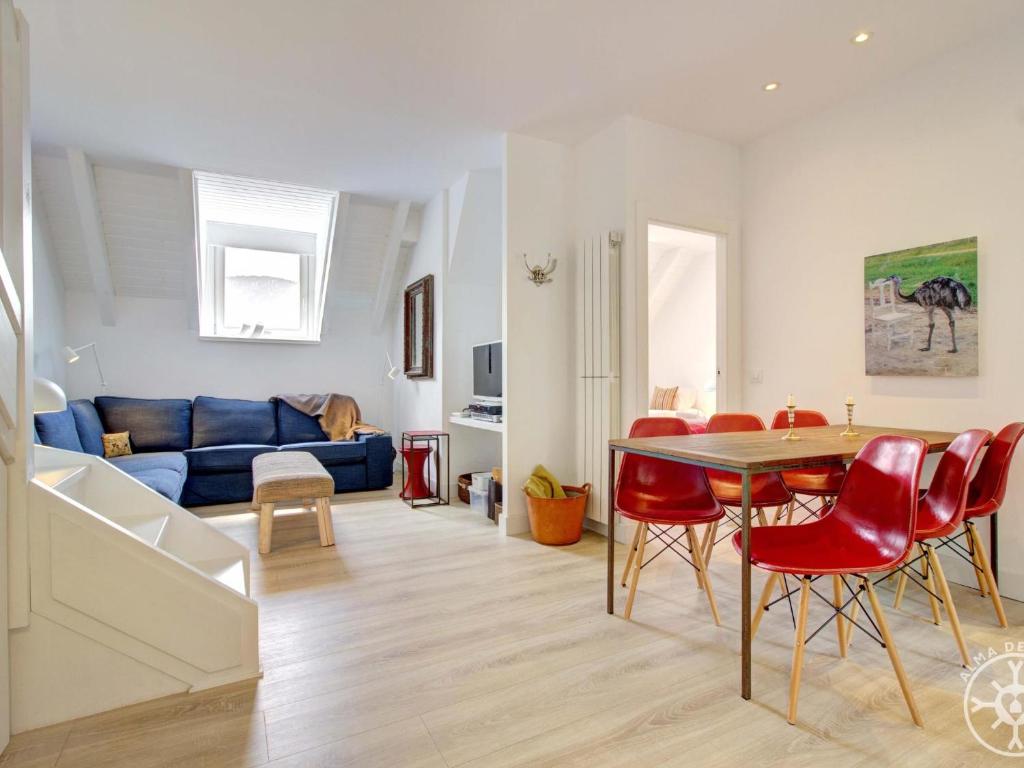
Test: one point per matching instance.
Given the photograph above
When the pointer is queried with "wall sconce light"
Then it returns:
(540, 275)
(72, 356)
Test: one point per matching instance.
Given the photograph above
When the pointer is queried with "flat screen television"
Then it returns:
(487, 371)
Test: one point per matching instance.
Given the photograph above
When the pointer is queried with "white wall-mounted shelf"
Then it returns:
(490, 426)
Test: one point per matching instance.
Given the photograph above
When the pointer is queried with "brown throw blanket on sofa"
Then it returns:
(338, 414)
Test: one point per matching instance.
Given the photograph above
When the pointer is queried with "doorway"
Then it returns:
(683, 320)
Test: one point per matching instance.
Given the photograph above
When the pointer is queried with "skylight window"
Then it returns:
(263, 255)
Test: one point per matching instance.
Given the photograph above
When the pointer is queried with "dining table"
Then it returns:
(748, 454)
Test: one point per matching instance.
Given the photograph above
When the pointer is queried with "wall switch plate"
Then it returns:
(757, 376)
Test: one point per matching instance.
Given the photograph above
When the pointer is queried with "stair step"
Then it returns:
(229, 571)
(62, 478)
(149, 528)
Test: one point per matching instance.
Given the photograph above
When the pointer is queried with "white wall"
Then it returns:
(538, 321)
(472, 308)
(932, 156)
(418, 403)
(681, 320)
(152, 352)
(693, 182)
(48, 294)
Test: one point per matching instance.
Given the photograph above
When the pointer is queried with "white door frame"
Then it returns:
(645, 216)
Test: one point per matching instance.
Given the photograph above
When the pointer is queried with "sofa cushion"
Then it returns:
(294, 426)
(58, 430)
(220, 421)
(90, 428)
(164, 472)
(156, 425)
(224, 458)
(332, 454)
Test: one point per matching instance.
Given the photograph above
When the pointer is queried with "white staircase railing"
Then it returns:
(116, 564)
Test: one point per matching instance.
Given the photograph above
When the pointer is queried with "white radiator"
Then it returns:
(597, 364)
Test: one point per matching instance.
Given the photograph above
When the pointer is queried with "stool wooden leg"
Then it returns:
(325, 521)
(894, 657)
(266, 526)
(799, 639)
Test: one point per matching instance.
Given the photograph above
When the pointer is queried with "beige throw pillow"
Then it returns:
(116, 444)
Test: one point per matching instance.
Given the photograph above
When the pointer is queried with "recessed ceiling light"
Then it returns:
(860, 37)
(771, 86)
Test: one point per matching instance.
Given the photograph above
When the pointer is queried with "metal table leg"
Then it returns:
(610, 490)
(745, 590)
(993, 546)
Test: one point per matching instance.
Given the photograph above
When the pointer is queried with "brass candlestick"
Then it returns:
(848, 432)
(791, 409)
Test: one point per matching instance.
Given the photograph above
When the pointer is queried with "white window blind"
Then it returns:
(273, 232)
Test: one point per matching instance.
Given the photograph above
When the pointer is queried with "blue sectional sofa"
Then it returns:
(200, 451)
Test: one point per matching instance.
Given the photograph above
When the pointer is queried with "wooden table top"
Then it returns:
(767, 450)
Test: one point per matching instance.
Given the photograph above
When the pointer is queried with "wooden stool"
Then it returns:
(290, 476)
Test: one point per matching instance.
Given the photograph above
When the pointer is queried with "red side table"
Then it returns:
(417, 446)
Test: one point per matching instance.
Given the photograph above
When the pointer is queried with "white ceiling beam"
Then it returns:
(186, 194)
(83, 183)
(387, 286)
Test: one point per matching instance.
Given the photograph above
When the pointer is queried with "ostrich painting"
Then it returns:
(941, 279)
(942, 293)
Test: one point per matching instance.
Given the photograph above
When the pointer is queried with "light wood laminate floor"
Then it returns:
(424, 639)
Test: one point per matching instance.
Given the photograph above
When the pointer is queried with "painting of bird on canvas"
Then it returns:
(921, 311)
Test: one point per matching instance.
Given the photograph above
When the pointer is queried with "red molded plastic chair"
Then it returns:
(985, 498)
(766, 490)
(659, 495)
(940, 512)
(869, 530)
(818, 482)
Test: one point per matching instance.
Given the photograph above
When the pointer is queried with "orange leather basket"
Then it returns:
(558, 522)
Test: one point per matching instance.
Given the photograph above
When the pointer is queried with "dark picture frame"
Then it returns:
(419, 329)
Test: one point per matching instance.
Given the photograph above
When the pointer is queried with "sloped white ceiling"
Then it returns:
(148, 226)
(398, 98)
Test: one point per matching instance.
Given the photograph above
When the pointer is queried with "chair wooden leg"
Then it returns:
(710, 532)
(638, 563)
(326, 521)
(766, 596)
(698, 561)
(266, 527)
(901, 587)
(762, 518)
(850, 626)
(929, 582)
(799, 639)
(990, 578)
(894, 657)
(632, 553)
(837, 601)
(947, 599)
(789, 511)
(979, 573)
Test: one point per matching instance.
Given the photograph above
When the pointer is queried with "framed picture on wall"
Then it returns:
(419, 329)
(921, 311)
